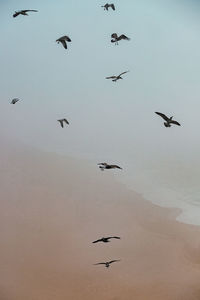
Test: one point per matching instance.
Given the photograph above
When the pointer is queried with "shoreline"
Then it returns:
(52, 208)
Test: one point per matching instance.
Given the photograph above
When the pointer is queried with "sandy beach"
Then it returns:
(53, 207)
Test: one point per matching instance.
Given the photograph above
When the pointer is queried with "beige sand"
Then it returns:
(52, 208)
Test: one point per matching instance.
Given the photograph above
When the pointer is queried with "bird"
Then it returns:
(115, 78)
(62, 122)
(23, 12)
(63, 40)
(115, 38)
(104, 166)
(106, 239)
(15, 100)
(107, 263)
(169, 121)
(106, 6)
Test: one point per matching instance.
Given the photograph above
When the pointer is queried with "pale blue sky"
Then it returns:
(109, 121)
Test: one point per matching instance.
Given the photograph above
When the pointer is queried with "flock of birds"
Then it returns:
(102, 166)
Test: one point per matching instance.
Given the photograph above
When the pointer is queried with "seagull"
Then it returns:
(115, 38)
(107, 263)
(104, 166)
(63, 40)
(169, 121)
(106, 6)
(62, 122)
(15, 100)
(23, 12)
(106, 239)
(115, 78)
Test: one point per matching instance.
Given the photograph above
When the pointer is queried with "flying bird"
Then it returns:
(115, 78)
(15, 100)
(106, 239)
(63, 40)
(169, 121)
(106, 6)
(62, 122)
(23, 12)
(115, 38)
(107, 263)
(104, 166)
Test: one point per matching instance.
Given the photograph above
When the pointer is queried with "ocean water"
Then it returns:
(172, 183)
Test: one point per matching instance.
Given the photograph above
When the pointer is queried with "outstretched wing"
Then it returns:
(63, 42)
(111, 77)
(115, 166)
(123, 37)
(65, 120)
(114, 237)
(175, 122)
(113, 7)
(112, 261)
(61, 123)
(100, 264)
(65, 37)
(162, 115)
(100, 240)
(27, 10)
(123, 73)
(114, 35)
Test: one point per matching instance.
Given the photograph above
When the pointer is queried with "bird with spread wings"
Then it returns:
(169, 121)
(106, 239)
(107, 5)
(62, 121)
(115, 78)
(63, 40)
(107, 263)
(23, 12)
(115, 38)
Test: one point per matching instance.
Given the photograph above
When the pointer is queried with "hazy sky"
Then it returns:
(108, 121)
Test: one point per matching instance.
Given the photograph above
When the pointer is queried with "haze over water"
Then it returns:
(113, 122)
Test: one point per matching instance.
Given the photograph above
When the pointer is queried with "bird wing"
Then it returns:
(97, 241)
(123, 37)
(61, 123)
(26, 10)
(63, 42)
(115, 166)
(65, 120)
(123, 73)
(114, 237)
(111, 77)
(175, 122)
(103, 164)
(162, 115)
(113, 7)
(112, 261)
(100, 263)
(114, 35)
(65, 37)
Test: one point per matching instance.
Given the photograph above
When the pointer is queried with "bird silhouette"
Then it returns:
(23, 12)
(115, 38)
(63, 40)
(107, 263)
(15, 100)
(104, 166)
(62, 122)
(169, 121)
(115, 78)
(106, 239)
(106, 6)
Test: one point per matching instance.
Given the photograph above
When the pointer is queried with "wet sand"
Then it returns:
(53, 207)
